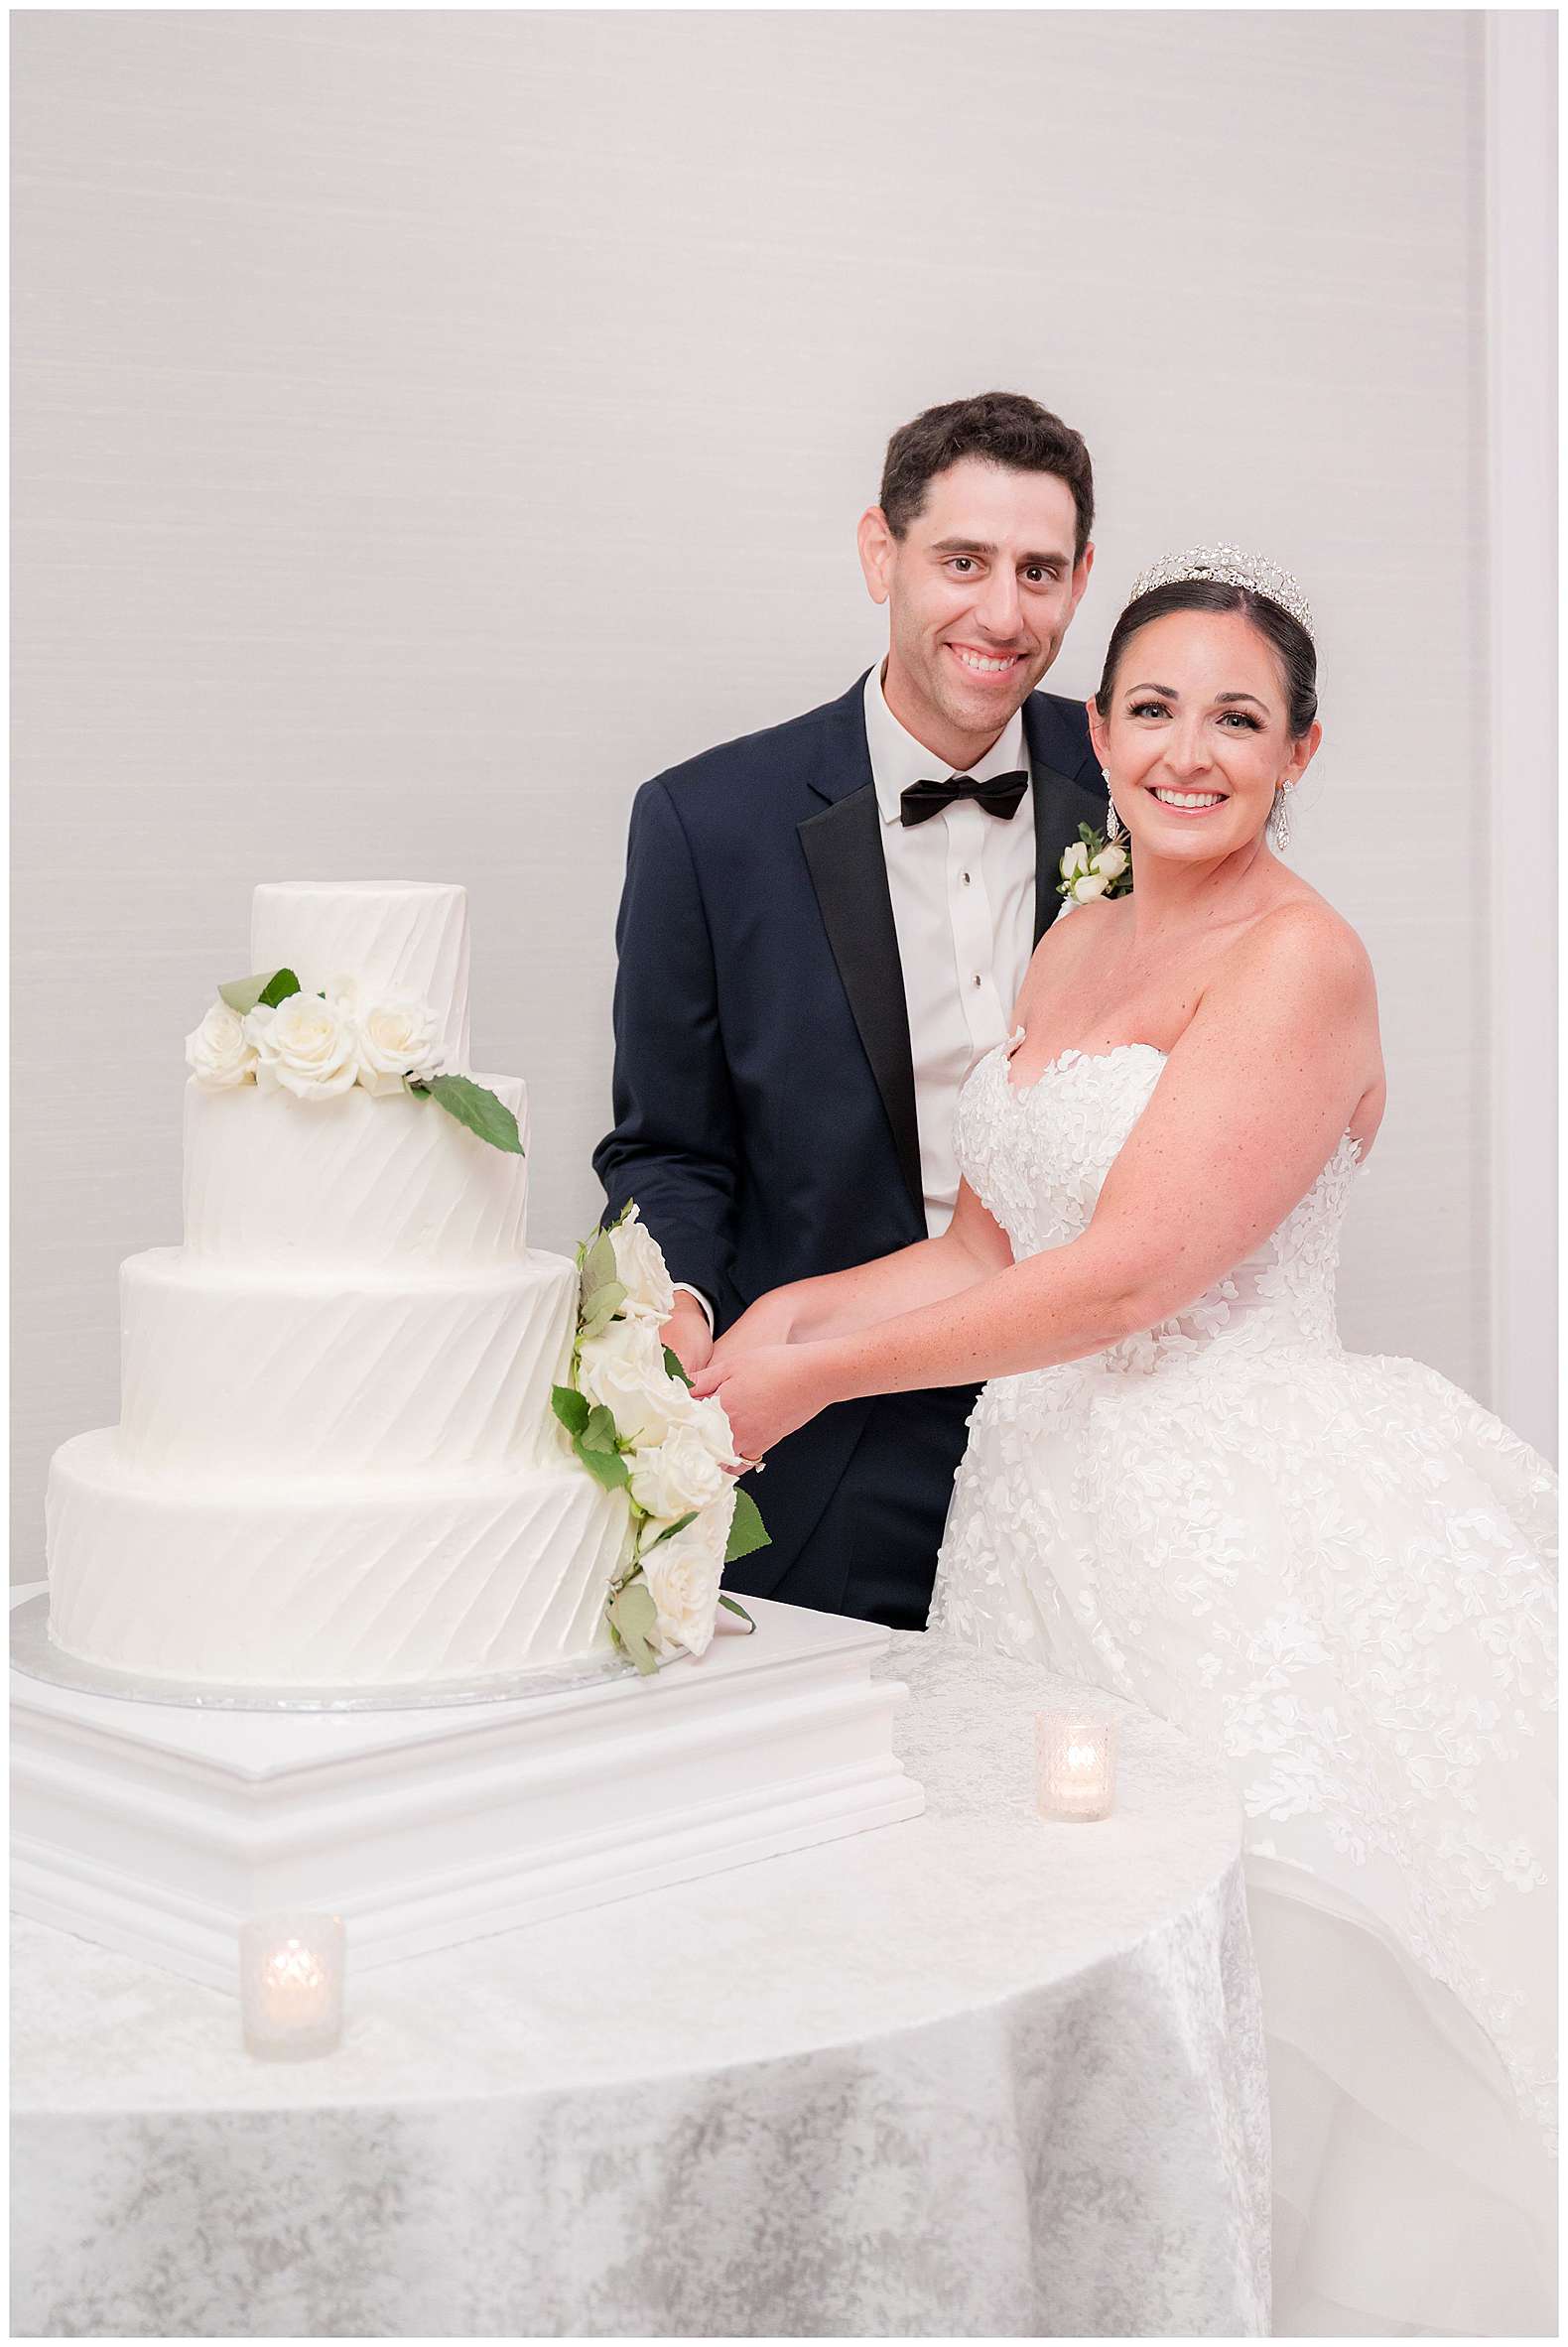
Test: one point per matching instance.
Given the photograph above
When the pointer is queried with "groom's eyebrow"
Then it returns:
(983, 546)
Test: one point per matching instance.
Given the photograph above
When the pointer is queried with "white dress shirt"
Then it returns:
(962, 889)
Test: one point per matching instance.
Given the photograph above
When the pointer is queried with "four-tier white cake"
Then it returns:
(336, 1464)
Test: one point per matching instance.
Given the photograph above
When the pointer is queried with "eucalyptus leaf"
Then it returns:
(243, 993)
(670, 1530)
(733, 1606)
(633, 1616)
(601, 1303)
(477, 1108)
(570, 1406)
(599, 1264)
(672, 1368)
(745, 1529)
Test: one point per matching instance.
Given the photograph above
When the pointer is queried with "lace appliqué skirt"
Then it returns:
(1337, 1571)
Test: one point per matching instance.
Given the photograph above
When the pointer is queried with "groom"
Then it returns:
(823, 926)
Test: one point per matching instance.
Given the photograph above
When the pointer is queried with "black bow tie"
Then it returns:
(1002, 795)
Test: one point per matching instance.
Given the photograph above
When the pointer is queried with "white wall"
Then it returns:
(430, 424)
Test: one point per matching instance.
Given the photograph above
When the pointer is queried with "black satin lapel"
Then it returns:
(1059, 806)
(844, 854)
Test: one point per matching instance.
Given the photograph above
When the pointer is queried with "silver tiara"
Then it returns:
(1234, 569)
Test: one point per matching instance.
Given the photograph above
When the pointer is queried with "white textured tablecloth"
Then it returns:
(974, 2075)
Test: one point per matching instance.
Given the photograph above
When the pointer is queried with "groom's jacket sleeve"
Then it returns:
(674, 1145)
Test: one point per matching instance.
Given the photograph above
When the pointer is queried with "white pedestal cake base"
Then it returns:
(158, 1830)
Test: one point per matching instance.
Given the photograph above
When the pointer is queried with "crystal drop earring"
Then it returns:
(1113, 828)
(1279, 821)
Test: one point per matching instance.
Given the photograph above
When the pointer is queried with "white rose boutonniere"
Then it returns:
(633, 1424)
(219, 1053)
(307, 1044)
(1090, 868)
(398, 1038)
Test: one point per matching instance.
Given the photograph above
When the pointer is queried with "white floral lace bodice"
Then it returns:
(1332, 1567)
(1037, 1154)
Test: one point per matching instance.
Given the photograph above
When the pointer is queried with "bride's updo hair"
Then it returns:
(1298, 658)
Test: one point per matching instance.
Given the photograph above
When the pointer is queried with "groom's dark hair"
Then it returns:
(1002, 428)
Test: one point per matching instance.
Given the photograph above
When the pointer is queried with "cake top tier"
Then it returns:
(396, 937)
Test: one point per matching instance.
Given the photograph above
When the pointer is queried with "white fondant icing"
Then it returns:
(271, 1180)
(395, 937)
(228, 1370)
(372, 1580)
(338, 1463)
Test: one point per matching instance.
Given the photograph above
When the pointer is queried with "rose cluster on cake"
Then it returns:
(269, 1031)
(636, 1426)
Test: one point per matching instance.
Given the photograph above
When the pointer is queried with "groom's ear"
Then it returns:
(876, 546)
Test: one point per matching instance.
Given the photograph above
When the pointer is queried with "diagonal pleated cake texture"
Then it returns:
(336, 1464)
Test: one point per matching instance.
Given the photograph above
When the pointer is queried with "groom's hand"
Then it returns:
(688, 1335)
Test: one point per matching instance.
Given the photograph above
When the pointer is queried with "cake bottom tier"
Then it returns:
(326, 1584)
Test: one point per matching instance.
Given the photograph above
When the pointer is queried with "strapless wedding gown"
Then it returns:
(1333, 1569)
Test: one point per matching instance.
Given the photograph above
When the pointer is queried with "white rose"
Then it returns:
(1075, 859)
(1111, 862)
(306, 1045)
(345, 991)
(711, 1425)
(397, 1037)
(1088, 888)
(640, 1269)
(671, 1477)
(219, 1054)
(683, 1576)
(623, 1369)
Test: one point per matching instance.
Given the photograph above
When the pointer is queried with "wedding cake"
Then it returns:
(338, 1464)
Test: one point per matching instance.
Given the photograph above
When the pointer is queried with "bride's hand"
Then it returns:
(765, 1394)
(768, 1321)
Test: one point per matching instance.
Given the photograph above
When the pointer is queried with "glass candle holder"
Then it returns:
(1075, 1763)
(291, 1984)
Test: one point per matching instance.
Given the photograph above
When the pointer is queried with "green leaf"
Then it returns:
(735, 1606)
(598, 1429)
(570, 1406)
(596, 1311)
(633, 1616)
(672, 1368)
(472, 1104)
(670, 1530)
(599, 1264)
(745, 1529)
(269, 986)
(605, 1467)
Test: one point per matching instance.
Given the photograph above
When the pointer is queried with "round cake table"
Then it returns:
(973, 2075)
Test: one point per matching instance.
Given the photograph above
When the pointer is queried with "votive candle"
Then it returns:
(1075, 1766)
(290, 1981)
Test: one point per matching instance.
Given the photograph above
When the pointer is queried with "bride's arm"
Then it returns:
(1253, 1100)
(972, 1249)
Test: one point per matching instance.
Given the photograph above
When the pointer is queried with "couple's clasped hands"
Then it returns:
(766, 1386)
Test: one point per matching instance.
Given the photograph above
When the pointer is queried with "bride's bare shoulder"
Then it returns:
(1071, 940)
(1303, 944)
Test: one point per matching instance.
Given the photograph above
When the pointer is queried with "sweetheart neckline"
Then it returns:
(1022, 1092)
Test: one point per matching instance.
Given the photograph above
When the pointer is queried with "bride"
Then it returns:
(1178, 1487)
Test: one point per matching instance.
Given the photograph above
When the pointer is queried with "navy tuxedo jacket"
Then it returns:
(764, 1095)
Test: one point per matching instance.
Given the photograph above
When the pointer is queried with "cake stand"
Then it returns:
(156, 1821)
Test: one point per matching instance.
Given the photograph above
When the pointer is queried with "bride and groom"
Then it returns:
(1055, 1205)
